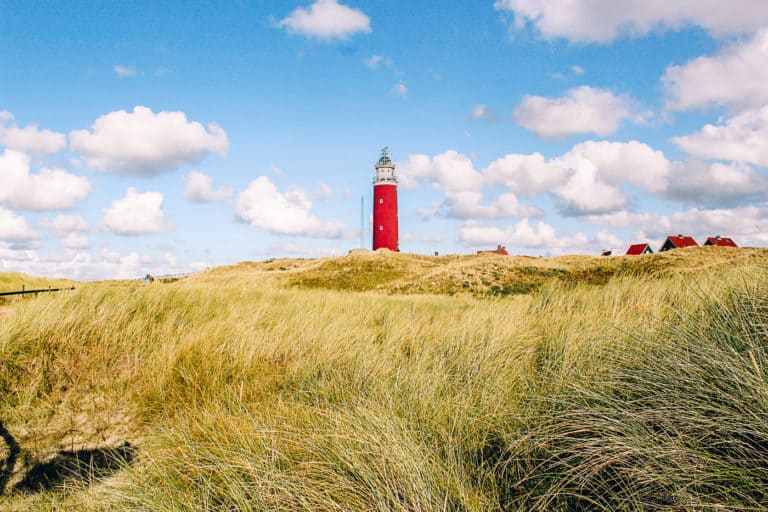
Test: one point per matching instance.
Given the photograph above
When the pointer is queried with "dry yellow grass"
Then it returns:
(368, 382)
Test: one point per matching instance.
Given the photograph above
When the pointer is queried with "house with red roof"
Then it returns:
(500, 249)
(638, 249)
(720, 241)
(678, 242)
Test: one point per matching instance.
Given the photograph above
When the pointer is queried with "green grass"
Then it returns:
(381, 382)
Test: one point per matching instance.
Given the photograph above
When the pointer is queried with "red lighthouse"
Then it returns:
(385, 204)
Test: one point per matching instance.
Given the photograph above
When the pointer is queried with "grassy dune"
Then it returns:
(397, 382)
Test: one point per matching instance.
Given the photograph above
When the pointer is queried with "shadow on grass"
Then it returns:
(9, 464)
(80, 467)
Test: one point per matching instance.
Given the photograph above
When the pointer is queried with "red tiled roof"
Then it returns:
(682, 241)
(720, 241)
(500, 249)
(636, 249)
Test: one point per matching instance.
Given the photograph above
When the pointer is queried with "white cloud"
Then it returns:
(521, 234)
(376, 61)
(577, 70)
(746, 225)
(144, 143)
(124, 71)
(61, 225)
(30, 139)
(428, 213)
(743, 138)
(137, 214)
(294, 249)
(81, 265)
(735, 77)
(14, 227)
(263, 206)
(326, 19)
(605, 20)
(400, 89)
(586, 180)
(583, 110)
(199, 188)
(608, 241)
(466, 205)
(449, 171)
(431, 239)
(716, 183)
(75, 241)
(527, 174)
(630, 162)
(624, 219)
(50, 189)
(484, 113)
(462, 184)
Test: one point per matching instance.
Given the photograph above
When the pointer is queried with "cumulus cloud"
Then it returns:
(50, 189)
(303, 250)
(603, 21)
(14, 227)
(263, 206)
(137, 214)
(586, 180)
(735, 77)
(527, 174)
(632, 162)
(326, 19)
(144, 143)
(483, 112)
(30, 139)
(467, 205)
(462, 184)
(84, 266)
(199, 188)
(449, 171)
(743, 138)
(583, 110)
(75, 241)
(716, 184)
(62, 225)
(745, 224)
(589, 179)
(522, 234)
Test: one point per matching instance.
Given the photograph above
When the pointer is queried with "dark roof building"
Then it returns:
(678, 242)
(500, 249)
(638, 249)
(721, 241)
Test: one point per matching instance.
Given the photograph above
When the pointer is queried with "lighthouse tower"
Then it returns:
(385, 204)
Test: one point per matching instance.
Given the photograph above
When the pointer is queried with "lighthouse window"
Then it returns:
(381, 200)
(381, 228)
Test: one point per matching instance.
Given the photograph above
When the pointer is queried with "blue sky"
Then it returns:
(168, 137)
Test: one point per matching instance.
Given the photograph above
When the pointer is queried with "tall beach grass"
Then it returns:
(642, 391)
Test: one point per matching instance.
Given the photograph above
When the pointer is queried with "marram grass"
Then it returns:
(615, 384)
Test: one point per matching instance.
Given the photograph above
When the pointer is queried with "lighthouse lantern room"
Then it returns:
(385, 204)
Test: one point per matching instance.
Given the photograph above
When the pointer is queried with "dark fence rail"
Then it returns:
(43, 290)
